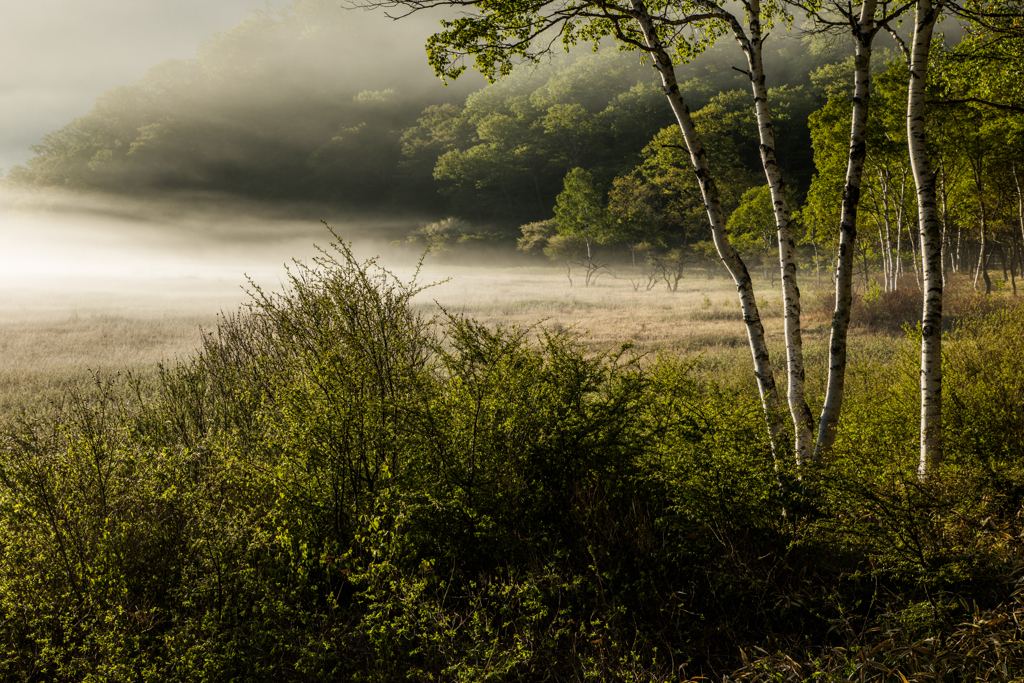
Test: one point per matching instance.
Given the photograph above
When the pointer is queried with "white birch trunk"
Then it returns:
(829, 420)
(931, 234)
(899, 232)
(958, 263)
(709, 191)
(800, 412)
(883, 248)
(891, 263)
(983, 250)
(901, 220)
(977, 168)
(944, 216)
(883, 242)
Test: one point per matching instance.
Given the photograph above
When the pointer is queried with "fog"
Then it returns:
(221, 105)
(209, 157)
(81, 255)
(58, 55)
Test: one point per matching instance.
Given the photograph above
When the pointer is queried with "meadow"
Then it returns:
(54, 336)
(350, 480)
(63, 333)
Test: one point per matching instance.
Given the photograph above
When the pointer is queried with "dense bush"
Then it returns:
(338, 488)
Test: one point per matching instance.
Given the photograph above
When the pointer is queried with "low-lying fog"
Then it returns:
(75, 256)
(98, 285)
(101, 287)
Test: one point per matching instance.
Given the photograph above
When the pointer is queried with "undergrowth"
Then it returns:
(336, 487)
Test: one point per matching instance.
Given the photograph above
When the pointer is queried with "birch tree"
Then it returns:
(581, 215)
(926, 15)
(1001, 18)
(497, 35)
(863, 25)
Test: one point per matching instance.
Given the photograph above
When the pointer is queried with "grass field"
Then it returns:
(58, 335)
(55, 336)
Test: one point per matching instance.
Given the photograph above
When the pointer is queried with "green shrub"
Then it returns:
(338, 488)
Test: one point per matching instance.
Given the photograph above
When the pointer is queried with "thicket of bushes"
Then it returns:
(338, 488)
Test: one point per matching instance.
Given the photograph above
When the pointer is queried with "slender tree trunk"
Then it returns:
(910, 231)
(889, 256)
(900, 222)
(883, 249)
(944, 195)
(1020, 197)
(829, 419)
(977, 161)
(817, 263)
(931, 233)
(913, 254)
(958, 263)
(1014, 260)
(1003, 261)
(982, 268)
(800, 412)
(709, 191)
(864, 258)
(899, 251)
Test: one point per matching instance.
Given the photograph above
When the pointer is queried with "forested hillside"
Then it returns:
(288, 107)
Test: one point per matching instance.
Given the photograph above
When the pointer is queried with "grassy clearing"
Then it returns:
(57, 337)
(51, 339)
(40, 359)
(610, 313)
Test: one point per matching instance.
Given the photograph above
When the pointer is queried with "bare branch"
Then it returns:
(899, 43)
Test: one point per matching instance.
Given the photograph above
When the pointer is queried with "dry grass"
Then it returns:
(53, 337)
(701, 320)
(702, 315)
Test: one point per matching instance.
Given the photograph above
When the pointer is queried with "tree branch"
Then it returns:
(977, 100)
(899, 43)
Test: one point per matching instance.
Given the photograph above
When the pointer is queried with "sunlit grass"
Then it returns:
(608, 314)
(54, 338)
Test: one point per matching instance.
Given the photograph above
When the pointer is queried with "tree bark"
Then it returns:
(977, 161)
(829, 419)
(931, 452)
(1020, 197)
(982, 268)
(800, 412)
(944, 196)
(709, 191)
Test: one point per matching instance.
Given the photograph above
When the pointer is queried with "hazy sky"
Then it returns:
(57, 56)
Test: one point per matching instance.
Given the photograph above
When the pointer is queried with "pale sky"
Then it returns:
(57, 56)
